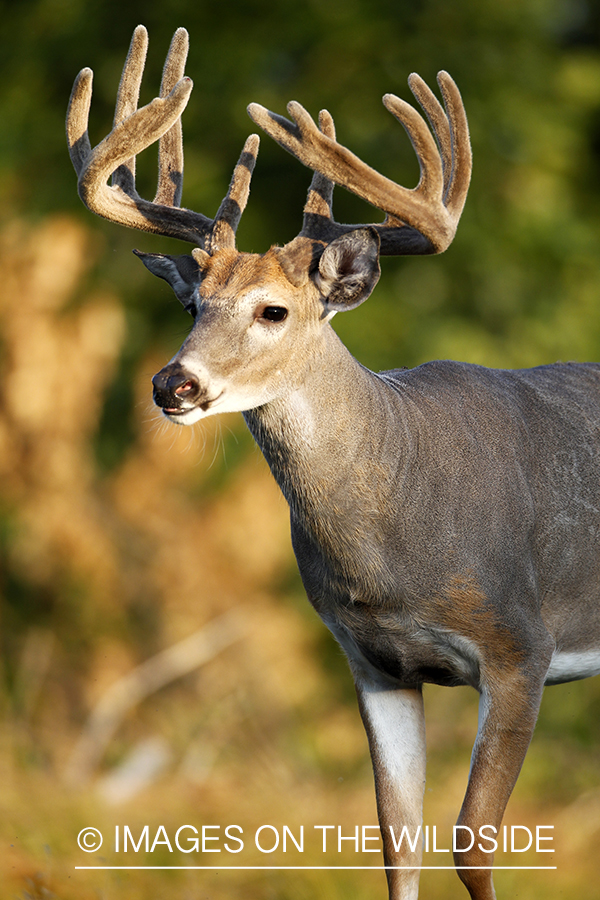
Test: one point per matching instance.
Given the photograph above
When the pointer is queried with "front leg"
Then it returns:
(508, 711)
(395, 724)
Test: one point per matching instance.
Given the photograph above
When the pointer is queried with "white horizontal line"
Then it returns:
(323, 868)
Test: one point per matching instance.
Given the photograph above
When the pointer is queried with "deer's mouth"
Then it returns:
(180, 413)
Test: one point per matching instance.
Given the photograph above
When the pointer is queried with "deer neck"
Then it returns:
(325, 441)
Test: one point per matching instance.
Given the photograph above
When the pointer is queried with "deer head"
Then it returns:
(254, 314)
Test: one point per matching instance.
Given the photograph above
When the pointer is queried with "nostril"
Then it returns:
(185, 388)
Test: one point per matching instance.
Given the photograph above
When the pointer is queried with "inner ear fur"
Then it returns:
(349, 269)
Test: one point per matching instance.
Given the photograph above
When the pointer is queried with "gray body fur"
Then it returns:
(434, 480)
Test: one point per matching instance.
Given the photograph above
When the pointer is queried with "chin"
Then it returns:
(185, 417)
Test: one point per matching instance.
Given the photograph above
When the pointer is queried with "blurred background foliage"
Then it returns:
(121, 537)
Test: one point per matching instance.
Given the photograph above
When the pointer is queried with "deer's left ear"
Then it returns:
(182, 272)
(349, 269)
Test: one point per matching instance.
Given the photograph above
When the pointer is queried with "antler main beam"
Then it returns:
(136, 129)
(422, 220)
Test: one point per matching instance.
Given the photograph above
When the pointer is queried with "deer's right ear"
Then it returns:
(349, 269)
(182, 272)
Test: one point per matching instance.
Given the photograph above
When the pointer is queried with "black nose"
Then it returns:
(173, 386)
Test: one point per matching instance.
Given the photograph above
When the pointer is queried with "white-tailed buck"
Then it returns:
(445, 519)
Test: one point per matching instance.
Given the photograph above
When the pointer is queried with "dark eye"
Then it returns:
(274, 313)
(191, 309)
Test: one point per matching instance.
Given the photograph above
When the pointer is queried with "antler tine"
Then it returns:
(418, 221)
(431, 182)
(78, 114)
(127, 100)
(170, 147)
(319, 203)
(462, 157)
(233, 205)
(437, 119)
